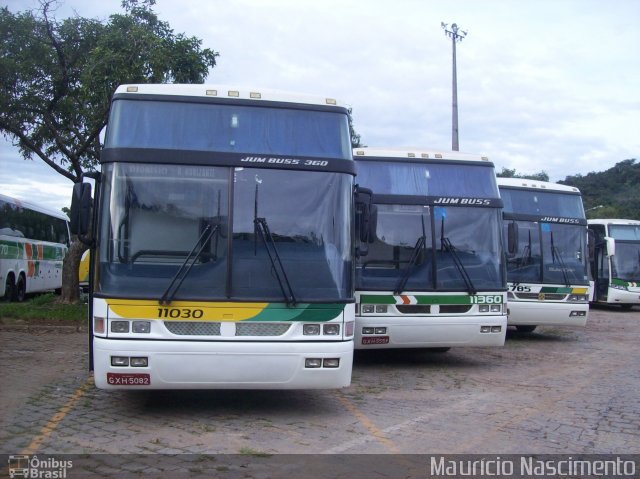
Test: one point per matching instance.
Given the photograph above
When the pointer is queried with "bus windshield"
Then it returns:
(408, 253)
(626, 262)
(230, 128)
(428, 179)
(155, 217)
(547, 203)
(547, 253)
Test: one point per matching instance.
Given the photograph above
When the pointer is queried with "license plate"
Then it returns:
(375, 340)
(129, 379)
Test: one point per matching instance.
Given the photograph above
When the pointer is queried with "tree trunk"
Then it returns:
(70, 265)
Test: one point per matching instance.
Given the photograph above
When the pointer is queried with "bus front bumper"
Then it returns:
(222, 364)
(391, 332)
(533, 313)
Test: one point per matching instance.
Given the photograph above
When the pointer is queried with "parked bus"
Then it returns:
(429, 270)
(615, 266)
(546, 236)
(33, 243)
(222, 245)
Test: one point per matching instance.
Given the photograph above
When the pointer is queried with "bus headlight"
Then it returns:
(578, 298)
(119, 326)
(367, 308)
(495, 308)
(381, 308)
(331, 329)
(141, 326)
(483, 308)
(311, 329)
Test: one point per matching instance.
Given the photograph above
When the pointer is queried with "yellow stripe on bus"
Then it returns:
(185, 310)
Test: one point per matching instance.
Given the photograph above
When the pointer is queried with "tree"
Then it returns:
(511, 173)
(57, 78)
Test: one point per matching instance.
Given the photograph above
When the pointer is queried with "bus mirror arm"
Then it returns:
(80, 216)
(611, 246)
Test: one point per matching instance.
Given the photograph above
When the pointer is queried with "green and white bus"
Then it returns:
(222, 242)
(615, 266)
(545, 231)
(429, 267)
(33, 243)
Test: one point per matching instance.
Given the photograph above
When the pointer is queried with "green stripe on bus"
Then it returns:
(301, 312)
(420, 299)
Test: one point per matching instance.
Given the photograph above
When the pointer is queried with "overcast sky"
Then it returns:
(549, 85)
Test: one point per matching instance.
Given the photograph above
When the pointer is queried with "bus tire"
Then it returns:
(522, 328)
(9, 288)
(21, 289)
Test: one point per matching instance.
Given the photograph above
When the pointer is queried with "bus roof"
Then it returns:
(613, 221)
(33, 206)
(227, 92)
(523, 183)
(415, 153)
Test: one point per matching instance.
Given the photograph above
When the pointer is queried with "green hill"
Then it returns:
(614, 193)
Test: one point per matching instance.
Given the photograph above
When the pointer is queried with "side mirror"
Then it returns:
(366, 215)
(611, 246)
(512, 238)
(80, 217)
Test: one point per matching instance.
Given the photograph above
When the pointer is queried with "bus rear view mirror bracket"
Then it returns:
(611, 246)
(512, 239)
(80, 217)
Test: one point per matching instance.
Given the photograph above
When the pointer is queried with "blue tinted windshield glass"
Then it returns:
(228, 128)
(428, 179)
(547, 203)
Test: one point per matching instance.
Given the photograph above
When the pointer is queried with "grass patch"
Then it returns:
(43, 309)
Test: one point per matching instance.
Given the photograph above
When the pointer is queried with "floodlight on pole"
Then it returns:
(456, 35)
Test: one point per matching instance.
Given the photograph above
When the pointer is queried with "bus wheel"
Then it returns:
(21, 289)
(525, 328)
(9, 289)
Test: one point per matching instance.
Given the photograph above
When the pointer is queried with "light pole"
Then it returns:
(456, 35)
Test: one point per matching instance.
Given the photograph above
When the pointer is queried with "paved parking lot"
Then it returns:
(555, 391)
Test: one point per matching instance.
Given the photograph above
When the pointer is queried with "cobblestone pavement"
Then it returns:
(555, 391)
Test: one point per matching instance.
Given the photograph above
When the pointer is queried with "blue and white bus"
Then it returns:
(430, 270)
(545, 230)
(222, 249)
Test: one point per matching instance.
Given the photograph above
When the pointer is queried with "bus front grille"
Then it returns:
(193, 328)
(538, 296)
(261, 329)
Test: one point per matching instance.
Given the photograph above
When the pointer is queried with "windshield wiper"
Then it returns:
(555, 254)
(446, 242)
(261, 228)
(188, 263)
(420, 245)
(525, 259)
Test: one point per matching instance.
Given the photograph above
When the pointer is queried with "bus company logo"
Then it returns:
(541, 296)
(448, 200)
(32, 467)
(556, 219)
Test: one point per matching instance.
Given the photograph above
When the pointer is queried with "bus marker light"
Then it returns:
(331, 101)
(349, 328)
(141, 326)
(331, 363)
(98, 325)
(255, 95)
(313, 363)
(139, 362)
(331, 329)
(311, 329)
(119, 326)
(132, 89)
(119, 361)
(233, 93)
(485, 329)
(496, 329)
(212, 92)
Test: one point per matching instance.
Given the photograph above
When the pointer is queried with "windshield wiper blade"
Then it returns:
(188, 263)
(446, 242)
(420, 245)
(262, 230)
(555, 254)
